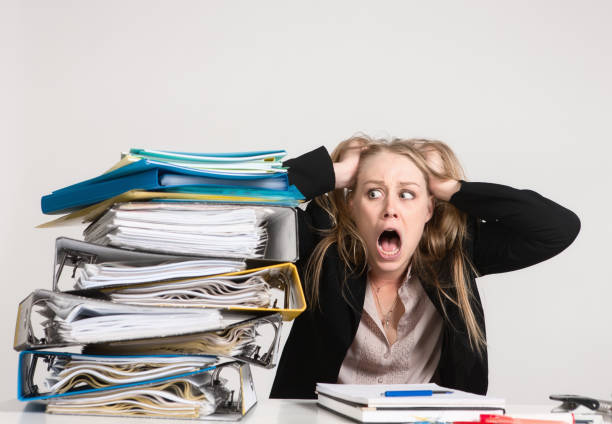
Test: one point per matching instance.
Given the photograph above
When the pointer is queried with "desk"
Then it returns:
(266, 411)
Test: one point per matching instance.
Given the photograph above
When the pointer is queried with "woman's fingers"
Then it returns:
(434, 160)
(346, 168)
(440, 188)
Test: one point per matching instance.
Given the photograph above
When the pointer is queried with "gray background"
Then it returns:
(521, 90)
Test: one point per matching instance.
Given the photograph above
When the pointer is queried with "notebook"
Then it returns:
(369, 403)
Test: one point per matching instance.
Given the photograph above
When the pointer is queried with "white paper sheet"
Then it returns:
(109, 273)
(91, 322)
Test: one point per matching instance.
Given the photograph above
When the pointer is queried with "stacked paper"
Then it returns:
(164, 296)
(184, 228)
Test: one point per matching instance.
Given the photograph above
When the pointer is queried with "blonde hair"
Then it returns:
(441, 244)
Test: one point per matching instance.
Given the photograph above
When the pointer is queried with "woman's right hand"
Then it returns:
(346, 169)
(441, 188)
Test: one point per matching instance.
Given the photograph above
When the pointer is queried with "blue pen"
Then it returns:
(407, 393)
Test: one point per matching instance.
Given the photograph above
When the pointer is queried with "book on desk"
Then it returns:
(380, 403)
(418, 403)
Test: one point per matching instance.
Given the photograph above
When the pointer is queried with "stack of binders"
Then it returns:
(181, 283)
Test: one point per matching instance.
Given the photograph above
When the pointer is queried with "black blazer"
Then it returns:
(508, 229)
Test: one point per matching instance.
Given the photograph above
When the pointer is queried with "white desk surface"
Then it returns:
(286, 411)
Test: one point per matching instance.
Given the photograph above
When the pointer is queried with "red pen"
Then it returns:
(508, 419)
(505, 419)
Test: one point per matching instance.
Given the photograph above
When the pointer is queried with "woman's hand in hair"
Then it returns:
(441, 188)
(346, 168)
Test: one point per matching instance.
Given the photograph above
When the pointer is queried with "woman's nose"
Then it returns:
(390, 211)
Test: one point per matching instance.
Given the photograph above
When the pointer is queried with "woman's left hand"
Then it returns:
(442, 189)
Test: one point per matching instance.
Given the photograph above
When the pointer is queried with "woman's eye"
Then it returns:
(374, 194)
(406, 195)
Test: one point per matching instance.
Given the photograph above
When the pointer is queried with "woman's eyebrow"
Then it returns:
(409, 183)
(401, 183)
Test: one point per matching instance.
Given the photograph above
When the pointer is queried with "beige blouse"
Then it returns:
(413, 358)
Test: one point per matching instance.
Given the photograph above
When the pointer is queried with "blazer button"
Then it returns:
(380, 380)
(386, 355)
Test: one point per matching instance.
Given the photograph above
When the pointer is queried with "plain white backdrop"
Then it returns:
(520, 89)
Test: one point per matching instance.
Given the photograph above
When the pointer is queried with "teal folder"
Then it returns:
(165, 155)
(152, 175)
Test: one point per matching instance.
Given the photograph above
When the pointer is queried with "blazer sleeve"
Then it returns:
(513, 228)
(313, 175)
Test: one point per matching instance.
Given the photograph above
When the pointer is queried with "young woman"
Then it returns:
(389, 260)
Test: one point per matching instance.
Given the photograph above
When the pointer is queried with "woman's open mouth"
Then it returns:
(389, 244)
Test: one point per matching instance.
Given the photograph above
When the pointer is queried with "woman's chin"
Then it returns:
(389, 264)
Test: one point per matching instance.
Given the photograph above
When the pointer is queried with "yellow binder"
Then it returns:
(294, 301)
